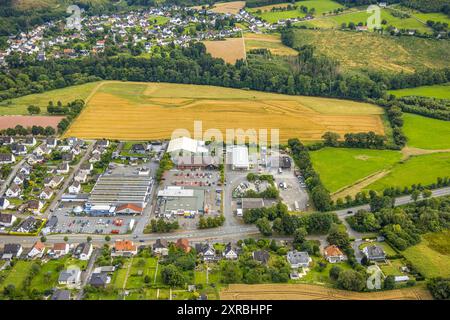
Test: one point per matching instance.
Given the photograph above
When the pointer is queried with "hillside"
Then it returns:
(378, 52)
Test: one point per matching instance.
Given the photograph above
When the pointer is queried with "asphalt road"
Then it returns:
(11, 176)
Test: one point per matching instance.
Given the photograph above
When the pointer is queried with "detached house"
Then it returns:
(37, 251)
(67, 157)
(46, 194)
(103, 143)
(80, 177)
(41, 150)
(25, 170)
(86, 167)
(28, 225)
(30, 141)
(183, 244)
(6, 140)
(6, 158)
(4, 203)
(12, 250)
(95, 158)
(19, 179)
(206, 251)
(83, 251)
(70, 278)
(298, 259)
(7, 220)
(75, 187)
(51, 143)
(124, 248)
(60, 249)
(13, 191)
(374, 253)
(230, 253)
(18, 149)
(53, 182)
(161, 246)
(34, 206)
(333, 254)
(63, 168)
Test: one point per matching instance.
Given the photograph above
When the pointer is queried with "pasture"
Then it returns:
(431, 257)
(315, 292)
(342, 167)
(143, 111)
(18, 106)
(424, 169)
(320, 6)
(272, 42)
(230, 49)
(426, 133)
(358, 50)
(437, 91)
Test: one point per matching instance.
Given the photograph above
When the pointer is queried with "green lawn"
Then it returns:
(423, 169)
(426, 133)
(19, 106)
(47, 278)
(441, 91)
(315, 276)
(17, 274)
(432, 256)
(321, 6)
(392, 267)
(140, 268)
(340, 167)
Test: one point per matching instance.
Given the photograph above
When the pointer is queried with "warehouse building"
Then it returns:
(175, 200)
(188, 153)
(119, 191)
(237, 157)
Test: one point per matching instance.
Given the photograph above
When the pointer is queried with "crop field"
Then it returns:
(437, 91)
(356, 50)
(424, 169)
(432, 256)
(321, 6)
(426, 133)
(143, 111)
(28, 121)
(272, 42)
(341, 167)
(313, 292)
(232, 7)
(230, 50)
(19, 105)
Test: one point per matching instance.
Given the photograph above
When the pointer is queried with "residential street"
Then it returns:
(11, 176)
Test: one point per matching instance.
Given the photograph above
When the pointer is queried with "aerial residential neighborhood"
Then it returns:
(196, 150)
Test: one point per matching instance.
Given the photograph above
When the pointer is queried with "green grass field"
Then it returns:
(359, 50)
(424, 169)
(436, 91)
(17, 274)
(321, 6)
(18, 106)
(340, 167)
(426, 133)
(432, 256)
(47, 278)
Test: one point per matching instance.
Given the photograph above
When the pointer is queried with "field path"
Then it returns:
(408, 152)
(353, 189)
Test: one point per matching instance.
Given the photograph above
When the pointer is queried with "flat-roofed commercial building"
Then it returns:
(237, 157)
(180, 201)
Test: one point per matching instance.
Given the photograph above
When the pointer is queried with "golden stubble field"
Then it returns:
(230, 49)
(313, 292)
(138, 111)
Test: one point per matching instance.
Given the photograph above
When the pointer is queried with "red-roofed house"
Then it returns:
(183, 244)
(129, 208)
(124, 248)
(333, 254)
(37, 250)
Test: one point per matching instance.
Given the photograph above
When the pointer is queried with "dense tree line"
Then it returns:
(261, 3)
(211, 222)
(402, 226)
(319, 194)
(162, 226)
(428, 107)
(439, 288)
(369, 140)
(19, 130)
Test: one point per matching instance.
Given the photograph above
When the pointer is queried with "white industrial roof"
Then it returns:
(176, 192)
(239, 156)
(187, 144)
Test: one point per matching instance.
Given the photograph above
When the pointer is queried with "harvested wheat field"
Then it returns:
(272, 42)
(312, 292)
(230, 50)
(29, 121)
(139, 111)
(232, 7)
